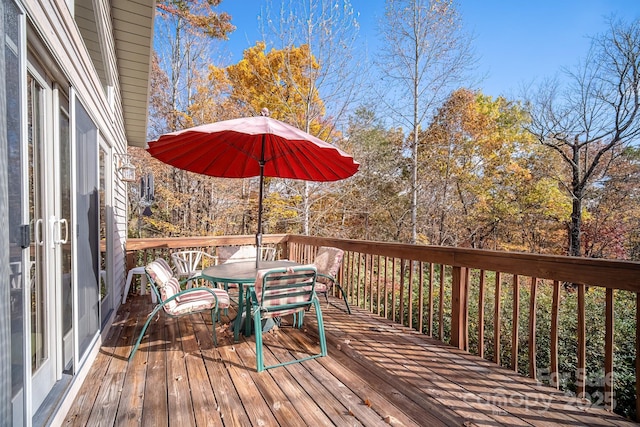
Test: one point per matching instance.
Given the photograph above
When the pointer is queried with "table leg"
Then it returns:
(238, 322)
(248, 323)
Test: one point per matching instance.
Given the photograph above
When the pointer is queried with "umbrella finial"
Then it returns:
(264, 112)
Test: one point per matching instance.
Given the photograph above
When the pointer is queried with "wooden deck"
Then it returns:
(377, 373)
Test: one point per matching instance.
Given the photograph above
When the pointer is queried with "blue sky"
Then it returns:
(517, 41)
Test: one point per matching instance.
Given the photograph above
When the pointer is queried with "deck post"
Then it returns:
(285, 249)
(459, 307)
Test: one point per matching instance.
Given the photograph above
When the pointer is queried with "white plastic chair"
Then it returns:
(189, 264)
(267, 253)
(228, 254)
(244, 253)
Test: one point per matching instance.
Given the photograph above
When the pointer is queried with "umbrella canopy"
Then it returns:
(253, 147)
(235, 149)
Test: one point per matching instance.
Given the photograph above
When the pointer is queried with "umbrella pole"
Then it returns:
(259, 233)
(260, 195)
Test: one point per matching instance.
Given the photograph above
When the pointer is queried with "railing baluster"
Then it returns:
(368, 263)
(532, 329)
(403, 266)
(379, 269)
(481, 314)
(608, 351)
(497, 320)
(393, 291)
(352, 257)
(514, 322)
(420, 296)
(555, 312)
(467, 287)
(410, 294)
(441, 306)
(358, 277)
(430, 318)
(581, 374)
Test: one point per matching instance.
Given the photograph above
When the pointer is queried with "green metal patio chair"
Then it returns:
(281, 291)
(177, 302)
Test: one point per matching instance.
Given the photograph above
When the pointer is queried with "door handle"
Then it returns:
(37, 231)
(66, 231)
(56, 231)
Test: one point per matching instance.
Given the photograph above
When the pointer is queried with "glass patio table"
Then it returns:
(244, 274)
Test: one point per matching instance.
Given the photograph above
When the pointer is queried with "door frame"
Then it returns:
(50, 275)
(108, 304)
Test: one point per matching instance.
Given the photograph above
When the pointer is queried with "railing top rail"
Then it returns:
(200, 241)
(615, 274)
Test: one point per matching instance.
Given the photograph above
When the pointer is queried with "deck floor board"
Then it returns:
(377, 373)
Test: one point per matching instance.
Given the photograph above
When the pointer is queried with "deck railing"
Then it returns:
(498, 305)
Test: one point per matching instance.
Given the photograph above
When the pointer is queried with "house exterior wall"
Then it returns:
(92, 78)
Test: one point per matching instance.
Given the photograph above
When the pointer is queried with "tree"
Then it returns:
(279, 80)
(424, 53)
(611, 212)
(199, 15)
(159, 108)
(185, 30)
(257, 81)
(481, 166)
(276, 79)
(328, 30)
(373, 204)
(589, 125)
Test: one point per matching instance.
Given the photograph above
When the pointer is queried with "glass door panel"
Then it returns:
(38, 223)
(42, 269)
(87, 229)
(64, 228)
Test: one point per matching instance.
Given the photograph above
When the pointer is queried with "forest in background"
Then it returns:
(539, 174)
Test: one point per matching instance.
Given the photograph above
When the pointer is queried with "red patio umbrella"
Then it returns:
(253, 146)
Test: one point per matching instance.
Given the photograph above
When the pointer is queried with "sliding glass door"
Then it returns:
(52, 182)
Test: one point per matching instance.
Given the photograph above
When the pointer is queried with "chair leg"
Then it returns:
(214, 316)
(344, 297)
(323, 339)
(298, 318)
(144, 329)
(257, 323)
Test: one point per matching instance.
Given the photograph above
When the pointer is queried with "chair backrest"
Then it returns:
(163, 282)
(187, 262)
(280, 291)
(267, 253)
(328, 260)
(236, 253)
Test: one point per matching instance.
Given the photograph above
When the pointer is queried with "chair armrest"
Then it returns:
(333, 279)
(213, 258)
(186, 291)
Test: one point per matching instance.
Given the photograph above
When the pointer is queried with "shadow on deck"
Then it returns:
(377, 373)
